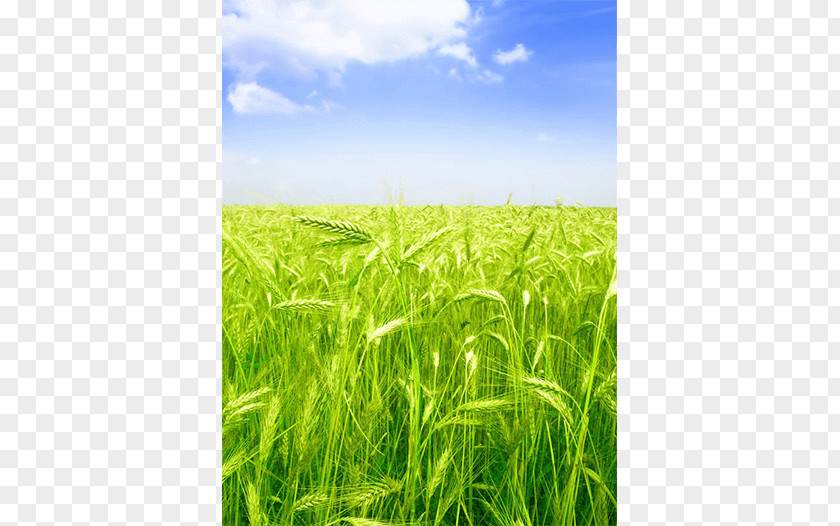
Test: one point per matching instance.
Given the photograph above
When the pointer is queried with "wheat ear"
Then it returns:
(346, 230)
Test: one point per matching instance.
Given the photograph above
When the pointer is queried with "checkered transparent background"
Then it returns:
(110, 262)
(110, 219)
(729, 262)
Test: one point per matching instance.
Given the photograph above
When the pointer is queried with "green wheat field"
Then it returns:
(434, 365)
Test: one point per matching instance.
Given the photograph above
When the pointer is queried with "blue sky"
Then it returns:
(453, 102)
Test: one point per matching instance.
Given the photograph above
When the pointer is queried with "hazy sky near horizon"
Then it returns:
(452, 101)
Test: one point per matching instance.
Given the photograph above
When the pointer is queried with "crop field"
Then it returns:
(419, 365)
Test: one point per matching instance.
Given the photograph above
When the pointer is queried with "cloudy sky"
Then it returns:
(450, 101)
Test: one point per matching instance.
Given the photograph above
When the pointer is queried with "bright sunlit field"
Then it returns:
(419, 365)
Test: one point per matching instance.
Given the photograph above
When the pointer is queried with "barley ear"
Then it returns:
(253, 505)
(388, 328)
(341, 242)
(360, 521)
(440, 471)
(424, 243)
(304, 305)
(481, 294)
(346, 230)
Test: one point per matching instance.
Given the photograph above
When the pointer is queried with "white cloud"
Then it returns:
(307, 38)
(251, 98)
(333, 79)
(314, 93)
(461, 51)
(484, 76)
(488, 77)
(543, 137)
(517, 54)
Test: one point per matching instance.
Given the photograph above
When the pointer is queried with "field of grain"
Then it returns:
(419, 365)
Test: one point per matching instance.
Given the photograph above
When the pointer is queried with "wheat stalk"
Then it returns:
(427, 411)
(551, 393)
(247, 397)
(373, 492)
(232, 463)
(606, 392)
(481, 294)
(244, 403)
(304, 305)
(346, 230)
(268, 425)
(361, 521)
(323, 425)
(310, 501)
(254, 506)
(387, 328)
(424, 243)
(440, 471)
(499, 338)
(342, 241)
(244, 409)
(484, 405)
(471, 413)
(546, 385)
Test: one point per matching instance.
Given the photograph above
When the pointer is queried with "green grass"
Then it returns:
(422, 366)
